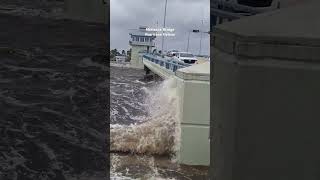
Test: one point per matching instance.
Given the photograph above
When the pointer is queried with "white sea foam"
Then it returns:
(114, 64)
(160, 132)
(120, 171)
(113, 112)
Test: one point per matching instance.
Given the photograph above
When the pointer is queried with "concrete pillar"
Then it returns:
(266, 96)
(87, 10)
(136, 57)
(194, 92)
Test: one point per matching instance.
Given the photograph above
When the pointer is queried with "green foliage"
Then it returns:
(114, 53)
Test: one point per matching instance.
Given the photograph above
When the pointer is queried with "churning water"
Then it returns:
(52, 9)
(144, 116)
(157, 131)
(53, 95)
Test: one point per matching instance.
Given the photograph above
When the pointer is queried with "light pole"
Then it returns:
(164, 24)
(201, 38)
(195, 31)
(188, 41)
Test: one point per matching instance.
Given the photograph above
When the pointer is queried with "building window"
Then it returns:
(146, 39)
(142, 39)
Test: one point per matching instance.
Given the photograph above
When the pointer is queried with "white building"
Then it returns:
(141, 41)
(120, 59)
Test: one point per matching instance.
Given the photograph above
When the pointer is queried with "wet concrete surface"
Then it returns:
(54, 99)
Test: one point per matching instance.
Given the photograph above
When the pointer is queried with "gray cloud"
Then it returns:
(182, 15)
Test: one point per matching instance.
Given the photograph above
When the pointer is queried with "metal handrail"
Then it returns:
(170, 64)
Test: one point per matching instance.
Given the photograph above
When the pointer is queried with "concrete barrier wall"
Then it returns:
(194, 106)
(193, 88)
(266, 119)
(265, 97)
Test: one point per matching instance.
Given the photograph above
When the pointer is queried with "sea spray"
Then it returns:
(160, 131)
(137, 167)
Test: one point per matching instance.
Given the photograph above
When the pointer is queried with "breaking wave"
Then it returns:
(160, 131)
(147, 165)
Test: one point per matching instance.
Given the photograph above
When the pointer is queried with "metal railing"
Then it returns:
(168, 63)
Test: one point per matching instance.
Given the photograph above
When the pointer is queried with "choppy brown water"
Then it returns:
(159, 132)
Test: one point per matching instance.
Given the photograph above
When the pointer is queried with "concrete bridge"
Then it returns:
(193, 86)
(163, 66)
(265, 105)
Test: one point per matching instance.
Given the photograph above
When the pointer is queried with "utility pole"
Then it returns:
(194, 31)
(201, 37)
(188, 41)
(164, 24)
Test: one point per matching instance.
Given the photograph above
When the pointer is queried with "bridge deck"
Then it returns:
(163, 66)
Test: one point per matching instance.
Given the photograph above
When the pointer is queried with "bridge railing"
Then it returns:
(168, 63)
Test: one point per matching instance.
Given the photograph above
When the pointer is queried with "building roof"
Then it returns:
(142, 32)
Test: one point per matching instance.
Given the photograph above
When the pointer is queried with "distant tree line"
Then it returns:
(115, 52)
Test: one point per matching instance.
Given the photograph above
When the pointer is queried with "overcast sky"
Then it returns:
(182, 15)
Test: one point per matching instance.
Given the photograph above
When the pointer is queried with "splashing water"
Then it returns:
(160, 131)
(145, 122)
(136, 167)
